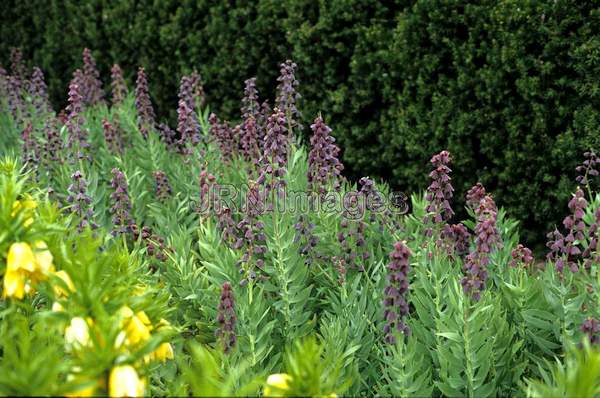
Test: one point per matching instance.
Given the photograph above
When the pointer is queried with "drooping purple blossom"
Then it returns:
(54, 143)
(226, 319)
(354, 250)
(474, 195)
(187, 128)
(198, 95)
(143, 104)
(77, 140)
(168, 135)
(588, 169)
(227, 225)
(112, 137)
(521, 255)
(324, 167)
(162, 186)
(17, 66)
(121, 204)
(456, 238)
(29, 149)
(92, 86)
(39, 92)
(395, 294)
(591, 253)
(81, 202)
(487, 239)
(15, 100)
(223, 135)
(207, 192)
(591, 328)
(249, 144)
(155, 245)
(250, 105)
(275, 152)
(188, 94)
(262, 121)
(439, 192)
(118, 85)
(252, 238)
(305, 235)
(287, 94)
(565, 249)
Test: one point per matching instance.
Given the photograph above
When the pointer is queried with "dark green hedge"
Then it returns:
(511, 88)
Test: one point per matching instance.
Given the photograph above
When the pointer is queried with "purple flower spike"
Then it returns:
(39, 92)
(439, 192)
(187, 127)
(521, 255)
(143, 104)
(250, 105)
(487, 239)
(54, 143)
(77, 142)
(226, 319)
(591, 253)
(118, 85)
(287, 94)
(121, 208)
(112, 137)
(456, 239)
(591, 328)
(275, 152)
(564, 250)
(474, 195)
(588, 169)
(395, 301)
(249, 144)
(17, 66)
(163, 187)
(92, 89)
(324, 167)
(223, 135)
(81, 202)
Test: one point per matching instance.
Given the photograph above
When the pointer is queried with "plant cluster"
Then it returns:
(130, 270)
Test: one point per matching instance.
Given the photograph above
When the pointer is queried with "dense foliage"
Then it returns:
(136, 259)
(510, 86)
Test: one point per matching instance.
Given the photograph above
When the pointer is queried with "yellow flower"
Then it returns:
(14, 284)
(163, 352)
(135, 326)
(277, 383)
(125, 382)
(77, 334)
(20, 258)
(43, 261)
(58, 290)
(57, 307)
(27, 204)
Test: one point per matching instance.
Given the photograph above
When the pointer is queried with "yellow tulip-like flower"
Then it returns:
(43, 261)
(27, 204)
(125, 382)
(58, 290)
(20, 258)
(163, 352)
(25, 266)
(134, 325)
(57, 307)
(277, 383)
(77, 334)
(14, 284)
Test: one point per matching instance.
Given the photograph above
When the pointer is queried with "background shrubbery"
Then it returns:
(508, 86)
